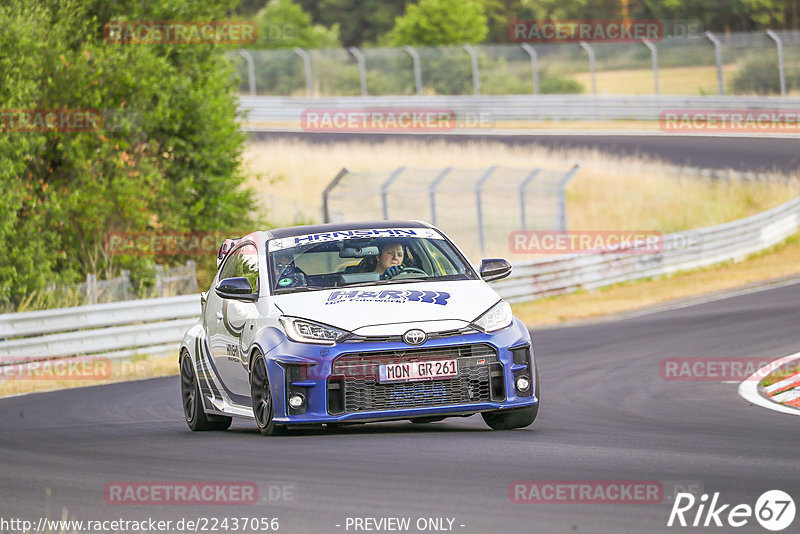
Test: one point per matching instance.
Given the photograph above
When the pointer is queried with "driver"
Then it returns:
(390, 260)
(286, 272)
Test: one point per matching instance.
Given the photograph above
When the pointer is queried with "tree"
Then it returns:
(166, 156)
(441, 22)
(360, 21)
(284, 24)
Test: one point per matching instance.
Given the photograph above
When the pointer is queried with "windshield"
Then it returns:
(334, 260)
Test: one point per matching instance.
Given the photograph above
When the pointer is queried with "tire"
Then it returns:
(518, 418)
(193, 412)
(263, 406)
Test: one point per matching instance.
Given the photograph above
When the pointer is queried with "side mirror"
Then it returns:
(495, 269)
(236, 288)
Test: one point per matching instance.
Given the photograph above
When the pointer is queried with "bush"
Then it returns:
(552, 83)
(166, 159)
(759, 74)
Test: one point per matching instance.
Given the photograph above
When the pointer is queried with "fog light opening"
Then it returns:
(296, 401)
(523, 383)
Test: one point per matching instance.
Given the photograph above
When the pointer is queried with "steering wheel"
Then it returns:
(409, 270)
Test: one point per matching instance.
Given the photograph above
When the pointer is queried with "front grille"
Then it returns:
(355, 388)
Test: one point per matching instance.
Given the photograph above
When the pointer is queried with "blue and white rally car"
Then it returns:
(351, 323)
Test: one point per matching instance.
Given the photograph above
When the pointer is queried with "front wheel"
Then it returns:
(193, 412)
(263, 409)
(518, 418)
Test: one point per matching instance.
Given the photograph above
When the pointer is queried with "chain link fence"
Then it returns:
(760, 63)
(478, 208)
(165, 282)
(168, 282)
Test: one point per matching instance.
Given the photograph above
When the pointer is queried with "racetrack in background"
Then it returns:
(740, 153)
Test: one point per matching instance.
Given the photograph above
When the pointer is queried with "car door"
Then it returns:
(225, 320)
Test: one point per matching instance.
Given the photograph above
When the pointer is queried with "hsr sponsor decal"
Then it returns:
(389, 295)
(288, 242)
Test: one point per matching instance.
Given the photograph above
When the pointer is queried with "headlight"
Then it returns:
(304, 331)
(499, 316)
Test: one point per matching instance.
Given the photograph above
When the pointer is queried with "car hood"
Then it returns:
(448, 303)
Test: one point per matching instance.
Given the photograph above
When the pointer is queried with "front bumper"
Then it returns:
(312, 371)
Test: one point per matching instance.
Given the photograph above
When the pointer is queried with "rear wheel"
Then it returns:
(518, 418)
(263, 408)
(193, 412)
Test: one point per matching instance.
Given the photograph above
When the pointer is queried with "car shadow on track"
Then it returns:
(403, 427)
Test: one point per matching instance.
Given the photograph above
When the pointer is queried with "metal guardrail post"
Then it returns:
(654, 57)
(326, 214)
(478, 189)
(718, 55)
(307, 69)
(417, 68)
(562, 197)
(528, 179)
(432, 192)
(385, 190)
(534, 66)
(781, 67)
(251, 70)
(91, 289)
(476, 80)
(362, 68)
(592, 64)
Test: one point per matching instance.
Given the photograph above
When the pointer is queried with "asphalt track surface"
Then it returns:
(606, 415)
(758, 154)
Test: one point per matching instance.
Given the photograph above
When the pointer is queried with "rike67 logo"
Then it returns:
(774, 510)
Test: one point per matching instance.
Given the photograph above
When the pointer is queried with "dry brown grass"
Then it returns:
(608, 193)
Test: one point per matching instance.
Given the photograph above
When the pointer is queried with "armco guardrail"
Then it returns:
(116, 329)
(684, 250)
(264, 113)
(157, 325)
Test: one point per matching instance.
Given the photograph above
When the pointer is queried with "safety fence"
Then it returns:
(157, 325)
(168, 281)
(695, 64)
(474, 206)
(161, 281)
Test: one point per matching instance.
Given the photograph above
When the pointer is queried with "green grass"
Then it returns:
(778, 375)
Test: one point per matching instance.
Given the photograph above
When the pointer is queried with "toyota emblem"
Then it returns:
(415, 337)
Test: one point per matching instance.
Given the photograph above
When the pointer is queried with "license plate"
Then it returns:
(429, 370)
